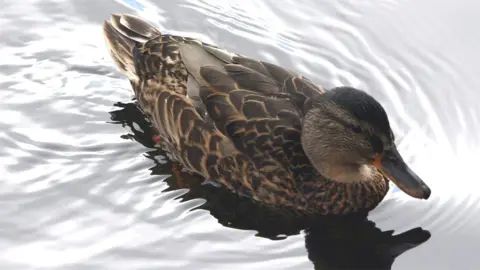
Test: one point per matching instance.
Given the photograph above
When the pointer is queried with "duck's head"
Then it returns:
(347, 137)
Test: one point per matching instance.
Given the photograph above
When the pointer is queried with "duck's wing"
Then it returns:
(260, 106)
(227, 117)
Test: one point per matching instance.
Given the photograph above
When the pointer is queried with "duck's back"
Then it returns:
(226, 117)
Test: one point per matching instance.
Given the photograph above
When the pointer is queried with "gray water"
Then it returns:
(82, 188)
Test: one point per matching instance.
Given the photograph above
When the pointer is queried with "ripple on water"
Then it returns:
(78, 192)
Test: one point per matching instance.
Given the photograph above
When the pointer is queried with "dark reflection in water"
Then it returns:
(349, 242)
(75, 196)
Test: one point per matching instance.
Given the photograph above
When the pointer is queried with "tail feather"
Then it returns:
(122, 33)
(134, 27)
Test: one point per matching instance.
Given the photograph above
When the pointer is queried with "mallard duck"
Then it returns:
(258, 129)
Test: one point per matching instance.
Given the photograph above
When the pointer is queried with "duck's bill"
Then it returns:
(392, 166)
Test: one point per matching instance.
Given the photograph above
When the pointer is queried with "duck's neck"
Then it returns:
(344, 197)
(347, 173)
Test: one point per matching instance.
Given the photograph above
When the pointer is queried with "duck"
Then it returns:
(260, 130)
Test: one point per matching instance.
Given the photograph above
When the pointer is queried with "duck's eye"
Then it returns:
(356, 129)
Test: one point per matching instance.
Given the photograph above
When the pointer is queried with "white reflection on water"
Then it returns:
(75, 195)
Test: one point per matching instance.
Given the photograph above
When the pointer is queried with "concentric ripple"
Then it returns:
(83, 188)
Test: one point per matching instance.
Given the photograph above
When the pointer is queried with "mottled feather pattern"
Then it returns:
(245, 130)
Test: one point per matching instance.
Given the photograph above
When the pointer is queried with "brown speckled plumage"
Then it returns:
(232, 119)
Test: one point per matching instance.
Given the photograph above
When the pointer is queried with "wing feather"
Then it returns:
(224, 116)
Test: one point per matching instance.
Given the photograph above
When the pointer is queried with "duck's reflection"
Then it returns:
(351, 242)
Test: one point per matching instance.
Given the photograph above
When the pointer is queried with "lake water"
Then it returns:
(82, 188)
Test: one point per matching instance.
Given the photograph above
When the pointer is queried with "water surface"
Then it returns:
(82, 188)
